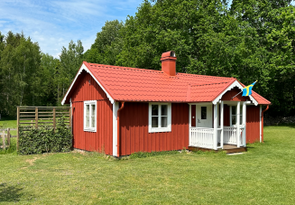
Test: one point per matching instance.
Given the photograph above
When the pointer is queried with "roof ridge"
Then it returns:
(206, 76)
(125, 67)
(209, 84)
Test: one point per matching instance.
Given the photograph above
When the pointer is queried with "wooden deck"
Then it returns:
(227, 148)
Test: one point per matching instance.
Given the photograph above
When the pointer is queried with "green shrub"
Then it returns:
(36, 141)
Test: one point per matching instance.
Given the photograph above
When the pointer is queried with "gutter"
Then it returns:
(262, 114)
(118, 129)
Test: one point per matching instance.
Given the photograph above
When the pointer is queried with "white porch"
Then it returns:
(208, 133)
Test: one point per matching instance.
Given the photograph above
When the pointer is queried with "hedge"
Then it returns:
(36, 141)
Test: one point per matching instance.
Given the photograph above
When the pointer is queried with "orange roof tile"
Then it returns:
(134, 84)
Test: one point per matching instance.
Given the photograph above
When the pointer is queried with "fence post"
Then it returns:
(17, 136)
(54, 119)
(8, 137)
(3, 138)
(36, 117)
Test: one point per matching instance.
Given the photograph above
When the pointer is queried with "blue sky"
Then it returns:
(54, 23)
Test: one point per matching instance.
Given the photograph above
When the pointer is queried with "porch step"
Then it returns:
(227, 148)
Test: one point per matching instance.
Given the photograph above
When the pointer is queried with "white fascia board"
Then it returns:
(84, 67)
(234, 84)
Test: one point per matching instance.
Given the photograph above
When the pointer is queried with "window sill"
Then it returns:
(89, 130)
(159, 130)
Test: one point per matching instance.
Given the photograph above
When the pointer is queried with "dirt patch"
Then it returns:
(31, 161)
(83, 152)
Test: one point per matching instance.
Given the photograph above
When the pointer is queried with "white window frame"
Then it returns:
(159, 128)
(231, 115)
(90, 129)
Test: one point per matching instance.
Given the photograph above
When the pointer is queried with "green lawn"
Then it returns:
(8, 124)
(263, 175)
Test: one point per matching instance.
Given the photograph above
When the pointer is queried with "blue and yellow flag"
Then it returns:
(248, 90)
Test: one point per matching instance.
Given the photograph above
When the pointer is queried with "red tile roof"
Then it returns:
(134, 84)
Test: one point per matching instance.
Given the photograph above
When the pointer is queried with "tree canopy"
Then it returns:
(249, 40)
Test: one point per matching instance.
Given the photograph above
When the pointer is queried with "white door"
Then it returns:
(204, 115)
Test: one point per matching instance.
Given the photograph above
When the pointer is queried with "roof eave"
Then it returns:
(84, 67)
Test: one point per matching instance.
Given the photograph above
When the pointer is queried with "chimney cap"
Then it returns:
(168, 54)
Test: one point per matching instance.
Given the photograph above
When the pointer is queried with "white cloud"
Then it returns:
(53, 24)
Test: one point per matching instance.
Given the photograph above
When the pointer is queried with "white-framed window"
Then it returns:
(90, 116)
(159, 117)
(233, 115)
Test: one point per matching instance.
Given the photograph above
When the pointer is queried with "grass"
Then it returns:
(263, 175)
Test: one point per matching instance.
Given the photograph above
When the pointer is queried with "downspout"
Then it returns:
(262, 114)
(118, 129)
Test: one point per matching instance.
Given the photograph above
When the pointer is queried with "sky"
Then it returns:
(54, 23)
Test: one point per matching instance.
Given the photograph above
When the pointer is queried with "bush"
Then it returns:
(36, 141)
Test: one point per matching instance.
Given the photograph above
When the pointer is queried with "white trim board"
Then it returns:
(115, 131)
(234, 84)
(84, 68)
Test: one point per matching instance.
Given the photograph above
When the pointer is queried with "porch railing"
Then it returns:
(230, 135)
(202, 137)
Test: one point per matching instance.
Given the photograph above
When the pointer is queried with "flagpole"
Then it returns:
(242, 90)
(237, 94)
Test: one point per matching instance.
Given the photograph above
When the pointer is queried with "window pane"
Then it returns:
(163, 121)
(154, 109)
(234, 120)
(154, 121)
(203, 113)
(234, 110)
(241, 119)
(93, 116)
(87, 115)
(164, 109)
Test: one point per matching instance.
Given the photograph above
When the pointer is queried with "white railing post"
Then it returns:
(215, 128)
(190, 123)
(221, 124)
(244, 123)
(238, 124)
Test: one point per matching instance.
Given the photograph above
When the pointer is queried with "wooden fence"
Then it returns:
(5, 139)
(29, 117)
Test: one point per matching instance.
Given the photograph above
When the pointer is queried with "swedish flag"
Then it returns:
(248, 90)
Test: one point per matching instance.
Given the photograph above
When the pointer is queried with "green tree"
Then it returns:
(271, 59)
(107, 45)
(70, 62)
(49, 80)
(19, 63)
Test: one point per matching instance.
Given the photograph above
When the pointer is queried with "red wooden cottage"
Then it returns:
(121, 110)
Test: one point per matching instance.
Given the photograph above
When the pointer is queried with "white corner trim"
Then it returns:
(84, 67)
(115, 109)
(260, 123)
(234, 84)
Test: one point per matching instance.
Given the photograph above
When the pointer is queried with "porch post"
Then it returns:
(238, 125)
(190, 124)
(221, 124)
(244, 123)
(215, 128)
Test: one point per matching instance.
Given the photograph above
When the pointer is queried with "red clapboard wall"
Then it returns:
(134, 129)
(253, 124)
(102, 140)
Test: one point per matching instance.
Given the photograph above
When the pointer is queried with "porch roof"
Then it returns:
(134, 84)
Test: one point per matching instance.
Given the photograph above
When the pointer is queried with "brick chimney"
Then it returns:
(169, 63)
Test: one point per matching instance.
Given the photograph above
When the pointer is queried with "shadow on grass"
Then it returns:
(9, 193)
